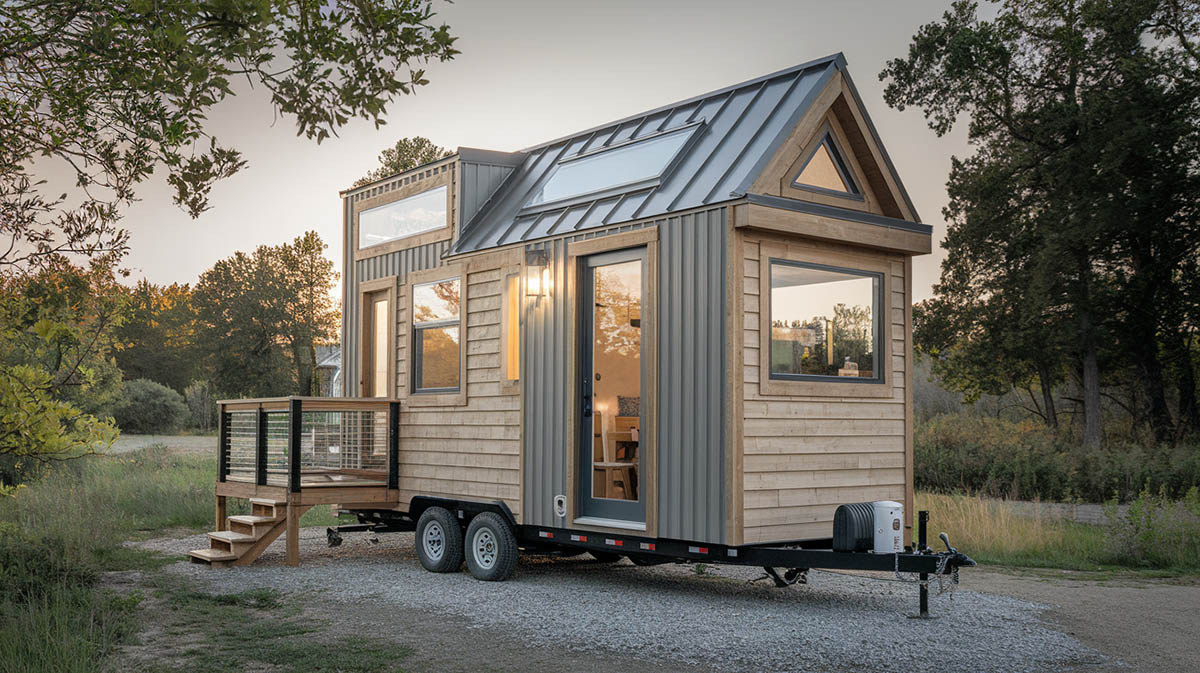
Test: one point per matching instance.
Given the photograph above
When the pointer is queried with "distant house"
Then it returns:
(329, 367)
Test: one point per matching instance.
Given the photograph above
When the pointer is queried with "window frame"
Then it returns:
(435, 396)
(836, 155)
(510, 382)
(397, 202)
(366, 289)
(845, 260)
(441, 176)
(864, 200)
(876, 319)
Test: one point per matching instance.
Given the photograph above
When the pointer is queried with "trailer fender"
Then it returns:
(465, 510)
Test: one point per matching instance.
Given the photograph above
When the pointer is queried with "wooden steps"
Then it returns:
(245, 537)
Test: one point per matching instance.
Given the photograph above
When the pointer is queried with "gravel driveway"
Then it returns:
(575, 614)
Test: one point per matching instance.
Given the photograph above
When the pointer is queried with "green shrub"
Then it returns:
(148, 408)
(1025, 460)
(1157, 531)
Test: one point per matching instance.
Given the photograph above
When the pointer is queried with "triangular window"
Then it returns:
(825, 170)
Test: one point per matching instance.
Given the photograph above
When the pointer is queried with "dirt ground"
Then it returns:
(1150, 625)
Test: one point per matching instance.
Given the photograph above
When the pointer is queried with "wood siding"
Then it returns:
(474, 450)
(803, 456)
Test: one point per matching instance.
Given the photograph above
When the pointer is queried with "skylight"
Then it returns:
(628, 164)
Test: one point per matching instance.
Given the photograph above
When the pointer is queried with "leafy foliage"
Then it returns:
(113, 91)
(156, 339)
(149, 408)
(261, 315)
(1073, 230)
(405, 154)
(56, 333)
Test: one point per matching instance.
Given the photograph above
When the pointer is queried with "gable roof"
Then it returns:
(737, 130)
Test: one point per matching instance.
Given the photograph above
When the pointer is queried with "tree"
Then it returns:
(405, 154)
(261, 315)
(113, 91)
(116, 90)
(56, 376)
(1071, 224)
(156, 339)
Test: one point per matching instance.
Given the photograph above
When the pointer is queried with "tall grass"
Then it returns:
(1157, 533)
(58, 532)
(992, 532)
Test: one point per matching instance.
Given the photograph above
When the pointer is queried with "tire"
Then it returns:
(605, 556)
(491, 548)
(439, 541)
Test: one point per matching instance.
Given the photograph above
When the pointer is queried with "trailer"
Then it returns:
(682, 335)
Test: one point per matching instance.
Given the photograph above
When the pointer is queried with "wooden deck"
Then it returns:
(287, 455)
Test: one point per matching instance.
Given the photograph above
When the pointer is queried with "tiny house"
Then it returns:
(691, 325)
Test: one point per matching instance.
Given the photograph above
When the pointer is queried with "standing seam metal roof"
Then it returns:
(741, 128)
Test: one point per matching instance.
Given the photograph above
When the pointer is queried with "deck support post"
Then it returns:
(922, 525)
(293, 530)
(221, 512)
(260, 449)
(393, 478)
(295, 416)
(222, 443)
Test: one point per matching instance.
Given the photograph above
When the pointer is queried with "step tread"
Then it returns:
(212, 555)
(268, 501)
(230, 536)
(250, 519)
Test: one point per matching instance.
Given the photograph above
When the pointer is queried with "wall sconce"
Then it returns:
(537, 274)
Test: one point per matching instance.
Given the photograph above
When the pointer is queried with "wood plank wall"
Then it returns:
(803, 456)
(471, 451)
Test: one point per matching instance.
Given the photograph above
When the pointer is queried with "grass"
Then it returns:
(58, 533)
(1157, 537)
(259, 628)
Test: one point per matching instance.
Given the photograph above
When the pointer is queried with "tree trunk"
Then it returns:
(1185, 380)
(1150, 370)
(1093, 427)
(1051, 414)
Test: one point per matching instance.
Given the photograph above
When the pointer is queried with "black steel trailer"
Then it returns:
(489, 527)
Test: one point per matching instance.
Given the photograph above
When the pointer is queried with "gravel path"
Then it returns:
(668, 613)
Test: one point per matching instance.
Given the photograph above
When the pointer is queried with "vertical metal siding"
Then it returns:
(691, 380)
(544, 356)
(479, 181)
(691, 385)
(398, 264)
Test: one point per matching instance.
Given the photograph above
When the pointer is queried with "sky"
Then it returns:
(531, 71)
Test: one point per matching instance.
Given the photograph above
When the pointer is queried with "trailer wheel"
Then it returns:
(439, 541)
(605, 556)
(491, 548)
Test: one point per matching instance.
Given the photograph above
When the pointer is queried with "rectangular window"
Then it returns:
(825, 322)
(512, 327)
(436, 338)
(400, 219)
(638, 161)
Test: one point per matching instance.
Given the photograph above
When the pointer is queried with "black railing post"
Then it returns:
(260, 449)
(222, 443)
(922, 525)
(295, 416)
(393, 481)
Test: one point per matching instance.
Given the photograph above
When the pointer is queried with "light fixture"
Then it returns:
(537, 274)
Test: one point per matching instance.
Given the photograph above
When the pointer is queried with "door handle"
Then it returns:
(587, 406)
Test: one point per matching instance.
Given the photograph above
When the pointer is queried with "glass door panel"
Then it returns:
(612, 461)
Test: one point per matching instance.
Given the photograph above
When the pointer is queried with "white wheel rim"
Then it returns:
(434, 541)
(484, 547)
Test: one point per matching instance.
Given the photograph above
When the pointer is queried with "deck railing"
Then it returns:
(302, 442)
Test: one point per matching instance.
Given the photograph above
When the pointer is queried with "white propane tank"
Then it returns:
(889, 526)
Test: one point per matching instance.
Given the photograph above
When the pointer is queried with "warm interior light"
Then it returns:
(537, 274)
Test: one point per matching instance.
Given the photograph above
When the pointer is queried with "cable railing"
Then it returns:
(302, 442)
